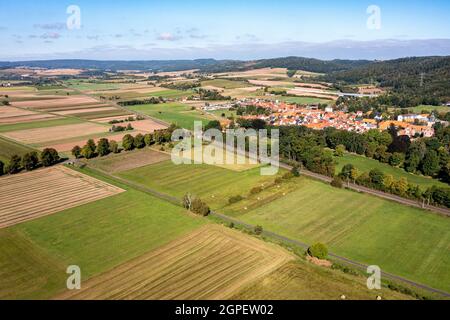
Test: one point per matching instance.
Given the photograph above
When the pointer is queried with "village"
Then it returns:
(318, 117)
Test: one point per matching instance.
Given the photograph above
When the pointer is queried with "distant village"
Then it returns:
(314, 117)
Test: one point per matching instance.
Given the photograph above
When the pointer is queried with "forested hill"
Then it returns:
(311, 65)
(424, 76)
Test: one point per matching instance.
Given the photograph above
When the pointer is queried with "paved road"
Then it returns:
(269, 234)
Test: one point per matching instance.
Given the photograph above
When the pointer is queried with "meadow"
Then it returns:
(225, 84)
(213, 184)
(364, 164)
(358, 226)
(96, 236)
(180, 114)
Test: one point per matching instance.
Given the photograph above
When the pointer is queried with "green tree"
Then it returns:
(14, 164)
(49, 157)
(76, 152)
(139, 141)
(103, 147)
(214, 124)
(2, 168)
(400, 187)
(430, 165)
(148, 138)
(114, 146)
(87, 152)
(346, 172)
(397, 159)
(128, 142)
(295, 171)
(91, 145)
(318, 250)
(30, 160)
(340, 150)
(376, 178)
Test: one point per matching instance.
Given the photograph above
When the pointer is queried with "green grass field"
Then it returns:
(39, 124)
(419, 109)
(225, 84)
(170, 93)
(96, 237)
(177, 113)
(213, 184)
(405, 241)
(9, 148)
(365, 164)
(92, 86)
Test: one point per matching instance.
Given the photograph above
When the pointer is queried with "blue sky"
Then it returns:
(137, 29)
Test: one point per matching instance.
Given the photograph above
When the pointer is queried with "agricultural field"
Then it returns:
(212, 183)
(299, 280)
(38, 124)
(83, 85)
(300, 100)
(211, 263)
(225, 84)
(46, 191)
(364, 164)
(9, 148)
(180, 114)
(357, 226)
(128, 160)
(97, 236)
(428, 109)
(44, 135)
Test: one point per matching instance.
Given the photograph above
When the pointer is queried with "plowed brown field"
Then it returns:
(39, 193)
(213, 262)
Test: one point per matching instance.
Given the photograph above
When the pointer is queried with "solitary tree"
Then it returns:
(318, 250)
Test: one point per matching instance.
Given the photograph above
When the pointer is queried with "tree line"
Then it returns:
(105, 147)
(30, 161)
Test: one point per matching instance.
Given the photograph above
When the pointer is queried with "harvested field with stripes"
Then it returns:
(42, 135)
(70, 101)
(129, 160)
(213, 262)
(39, 193)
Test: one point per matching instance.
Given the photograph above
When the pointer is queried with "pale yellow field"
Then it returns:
(47, 191)
(213, 262)
(43, 135)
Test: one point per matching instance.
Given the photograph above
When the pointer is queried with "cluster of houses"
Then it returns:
(317, 118)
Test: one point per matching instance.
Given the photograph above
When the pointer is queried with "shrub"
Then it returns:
(318, 250)
(231, 225)
(199, 207)
(337, 182)
(258, 230)
(256, 190)
(2, 168)
(288, 176)
(278, 180)
(295, 171)
(235, 199)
